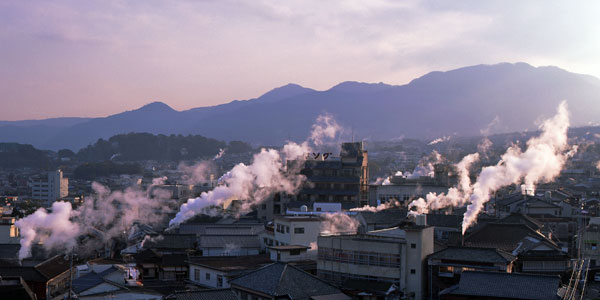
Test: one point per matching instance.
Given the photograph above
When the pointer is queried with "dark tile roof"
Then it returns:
(280, 279)
(220, 241)
(441, 220)
(15, 288)
(505, 237)
(389, 216)
(90, 280)
(516, 218)
(172, 241)
(216, 294)
(53, 266)
(473, 254)
(232, 263)
(505, 285)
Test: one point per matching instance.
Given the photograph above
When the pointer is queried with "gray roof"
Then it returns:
(172, 241)
(473, 254)
(280, 279)
(217, 294)
(440, 220)
(90, 280)
(389, 216)
(505, 285)
(220, 241)
(221, 229)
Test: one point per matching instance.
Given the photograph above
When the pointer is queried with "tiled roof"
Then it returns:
(220, 241)
(217, 294)
(231, 263)
(53, 266)
(505, 286)
(280, 279)
(472, 254)
(502, 236)
(27, 273)
(90, 280)
(389, 216)
(172, 241)
(440, 220)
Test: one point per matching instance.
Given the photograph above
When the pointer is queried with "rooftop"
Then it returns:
(280, 279)
(505, 285)
(231, 263)
(215, 294)
(473, 254)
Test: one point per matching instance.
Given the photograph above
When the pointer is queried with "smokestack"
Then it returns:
(421, 220)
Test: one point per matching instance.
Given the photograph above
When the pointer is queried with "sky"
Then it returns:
(95, 58)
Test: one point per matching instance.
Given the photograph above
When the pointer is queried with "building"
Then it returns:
(219, 239)
(217, 272)
(49, 187)
(404, 189)
(446, 266)
(294, 230)
(15, 288)
(9, 233)
(283, 281)
(343, 179)
(497, 285)
(394, 256)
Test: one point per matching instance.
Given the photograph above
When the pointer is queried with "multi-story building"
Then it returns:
(294, 230)
(50, 187)
(343, 179)
(394, 255)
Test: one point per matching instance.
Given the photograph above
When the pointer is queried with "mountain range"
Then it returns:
(462, 102)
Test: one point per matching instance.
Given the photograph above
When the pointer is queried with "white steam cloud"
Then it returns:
(542, 161)
(109, 214)
(380, 207)
(336, 223)
(252, 184)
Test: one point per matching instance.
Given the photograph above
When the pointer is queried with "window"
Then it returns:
(414, 246)
(299, 230)
(413, 271)
(207, 276)
(287, 229)
(263, 207)
(196, 275)
(219, 281)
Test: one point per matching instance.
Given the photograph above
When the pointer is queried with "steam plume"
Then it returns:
(266, 175)
(541, 162)
(380, 207)
(334, 223)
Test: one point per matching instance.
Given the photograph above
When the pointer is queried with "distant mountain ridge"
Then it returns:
(459, 102)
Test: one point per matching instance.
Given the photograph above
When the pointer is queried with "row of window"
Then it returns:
(360, 257)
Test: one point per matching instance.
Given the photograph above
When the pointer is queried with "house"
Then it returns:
(172, 243)
(283, 281)
(153, 265)
(394, 255)
(216, 272)
(219, 239)
(535, 252)
(498, 285)
(46, 280)
(446, 266)
(296, 230)
(289, 253)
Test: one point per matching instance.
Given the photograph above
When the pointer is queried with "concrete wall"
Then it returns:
(419, 244)
(212, 281)
(290, 237)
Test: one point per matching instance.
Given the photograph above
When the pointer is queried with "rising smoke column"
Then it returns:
(266, 175)
(111, 213)
(55, 229)
(542, 161)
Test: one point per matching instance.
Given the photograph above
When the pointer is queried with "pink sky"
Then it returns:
(95, 58)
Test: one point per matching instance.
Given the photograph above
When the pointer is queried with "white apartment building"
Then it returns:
(394, 255)
(49, 187)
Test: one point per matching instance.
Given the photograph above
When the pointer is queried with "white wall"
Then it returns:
(212, 281)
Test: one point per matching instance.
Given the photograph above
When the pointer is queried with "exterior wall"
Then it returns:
(50, 188)
(123, 296)
(290, 231)
(419, 244)
(286, 256)
(198, 275)
(376, 258)
(9, 233)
